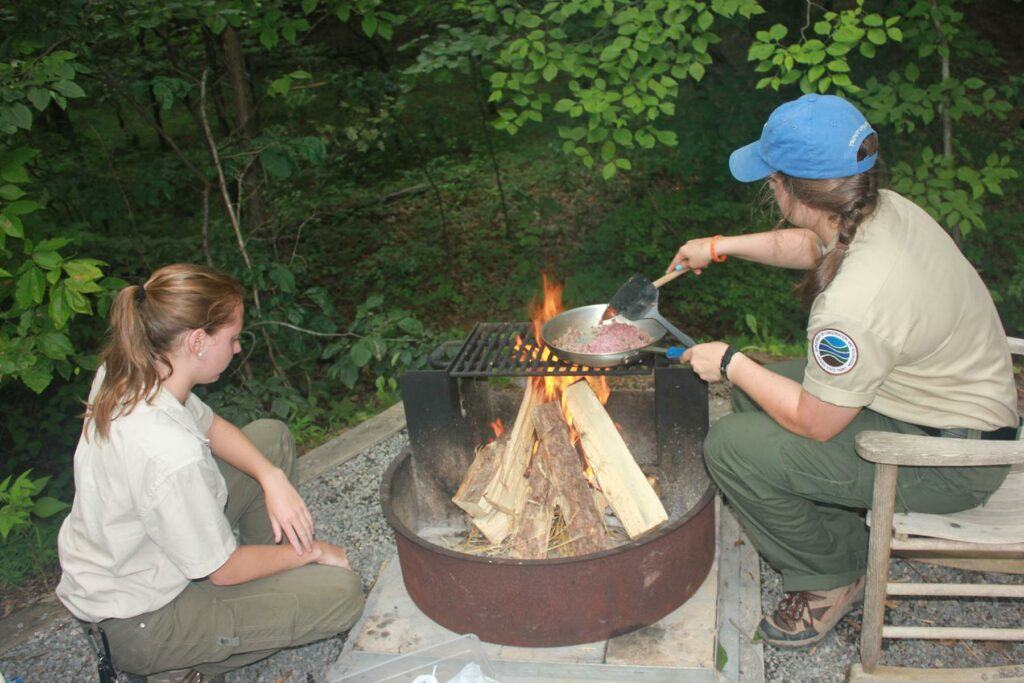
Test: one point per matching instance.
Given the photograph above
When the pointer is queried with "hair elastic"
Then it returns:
(140, 293)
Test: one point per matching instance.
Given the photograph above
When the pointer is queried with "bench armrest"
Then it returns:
(935, 451)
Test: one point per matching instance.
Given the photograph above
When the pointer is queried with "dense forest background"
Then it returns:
(381, 175)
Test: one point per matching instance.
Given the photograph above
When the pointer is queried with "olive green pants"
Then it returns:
(216, 629)
(802, 501)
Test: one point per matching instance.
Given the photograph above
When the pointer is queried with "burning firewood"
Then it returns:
(470, 496)
(628, 492)
(529, 540)
(507, 491)
(573, 495)
(495, 525)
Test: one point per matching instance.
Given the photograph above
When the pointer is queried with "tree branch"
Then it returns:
(314, 333)
(222, 181)
(205, 228)
(113, 84)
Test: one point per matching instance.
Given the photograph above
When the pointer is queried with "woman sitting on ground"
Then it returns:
(148, 552)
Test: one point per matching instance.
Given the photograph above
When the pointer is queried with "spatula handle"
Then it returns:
(668, 277)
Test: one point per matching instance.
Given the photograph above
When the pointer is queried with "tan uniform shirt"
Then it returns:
(908, 328)
(148, 513)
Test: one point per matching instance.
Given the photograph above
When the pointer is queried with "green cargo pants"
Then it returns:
(216, 629)
(801, 501)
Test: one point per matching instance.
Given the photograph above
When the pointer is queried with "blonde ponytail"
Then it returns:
(146, 321)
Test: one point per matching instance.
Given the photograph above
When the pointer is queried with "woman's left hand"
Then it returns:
(288, 514)
(706, 360)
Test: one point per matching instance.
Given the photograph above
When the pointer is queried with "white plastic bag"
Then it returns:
(427, 678)
(471, 673)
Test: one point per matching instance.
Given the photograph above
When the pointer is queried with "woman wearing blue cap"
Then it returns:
(903, 335)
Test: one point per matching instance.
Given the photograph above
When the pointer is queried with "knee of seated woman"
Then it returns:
(727, 438)
(274, 440)
(344, 589)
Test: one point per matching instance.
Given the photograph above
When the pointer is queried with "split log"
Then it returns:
(533, 526)
(507, 491)
(495, 525)
(470, 496)
(628, 492)
(573, 495)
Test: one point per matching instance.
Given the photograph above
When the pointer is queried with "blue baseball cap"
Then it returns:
(816, 136)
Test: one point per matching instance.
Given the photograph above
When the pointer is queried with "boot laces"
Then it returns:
(794, 605)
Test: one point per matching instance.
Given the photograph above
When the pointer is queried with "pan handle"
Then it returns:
(680, 336)
(672, 352)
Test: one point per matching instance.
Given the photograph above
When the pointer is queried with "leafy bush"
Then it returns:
(19, 506)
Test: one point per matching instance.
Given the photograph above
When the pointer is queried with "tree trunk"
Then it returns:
(217, 93)
(947, 121)
(477, 90)
(246, 127)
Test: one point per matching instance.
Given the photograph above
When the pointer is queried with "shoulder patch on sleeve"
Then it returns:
(834, 351)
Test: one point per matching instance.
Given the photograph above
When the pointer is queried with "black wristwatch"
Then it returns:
(726, 357)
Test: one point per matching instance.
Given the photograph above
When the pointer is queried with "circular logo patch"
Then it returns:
(835, 351)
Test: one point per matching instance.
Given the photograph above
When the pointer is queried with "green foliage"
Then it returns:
(951, 193)
(822, 64)
(29, 553)
(613, 93)
(31, 79)
(951, 189)
(766, 341)
(41, 289)
(19, 504)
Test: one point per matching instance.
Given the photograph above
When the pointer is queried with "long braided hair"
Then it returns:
(849, 200)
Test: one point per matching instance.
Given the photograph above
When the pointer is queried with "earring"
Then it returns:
(200, 354)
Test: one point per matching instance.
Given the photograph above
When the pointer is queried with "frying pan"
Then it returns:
(586, 318)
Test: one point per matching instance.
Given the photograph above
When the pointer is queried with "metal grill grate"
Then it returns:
(492, 350)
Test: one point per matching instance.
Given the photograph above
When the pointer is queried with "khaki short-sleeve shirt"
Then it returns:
(908, 328)
(148, 513)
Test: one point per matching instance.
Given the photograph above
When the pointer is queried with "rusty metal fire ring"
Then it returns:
(555, 602)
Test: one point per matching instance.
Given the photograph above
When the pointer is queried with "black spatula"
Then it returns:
(636, 296)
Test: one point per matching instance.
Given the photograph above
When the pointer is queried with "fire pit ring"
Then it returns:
(552, 602)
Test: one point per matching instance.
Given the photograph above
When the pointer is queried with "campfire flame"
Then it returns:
(553, 387)
(540, 312)
(498, 427)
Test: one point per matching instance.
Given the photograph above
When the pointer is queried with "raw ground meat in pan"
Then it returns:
(611, 338)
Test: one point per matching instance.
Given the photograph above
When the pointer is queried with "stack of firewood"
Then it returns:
(521, 483)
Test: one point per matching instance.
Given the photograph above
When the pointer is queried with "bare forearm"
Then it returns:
(790, 248)
(251, 562)
(777, 395)
(788, 403)
(230, 444)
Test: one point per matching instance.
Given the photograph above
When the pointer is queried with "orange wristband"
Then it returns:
(714, 254)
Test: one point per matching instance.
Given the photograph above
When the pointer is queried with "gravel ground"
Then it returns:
(831, 658)
(346, 508)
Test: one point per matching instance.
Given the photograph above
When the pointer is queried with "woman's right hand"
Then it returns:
(695, 255)
(331, 555)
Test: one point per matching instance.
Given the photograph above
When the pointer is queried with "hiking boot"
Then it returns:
(804, 617)
(184, 676)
